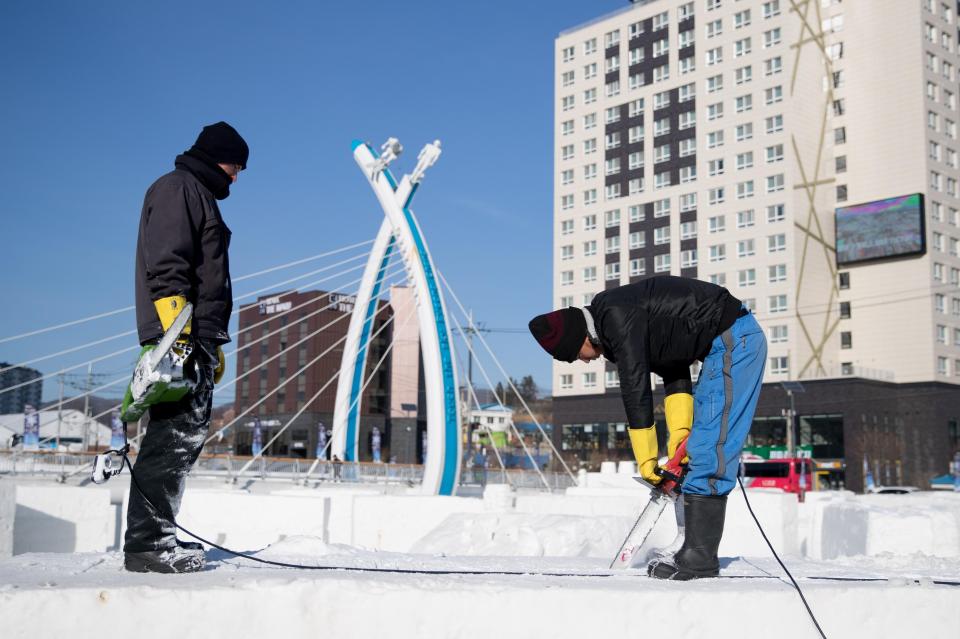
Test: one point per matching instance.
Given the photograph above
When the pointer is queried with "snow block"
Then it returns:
(777, 513)
(57, 518)
(8, 508)
(395, 523)
(244, 521)
(514, 535)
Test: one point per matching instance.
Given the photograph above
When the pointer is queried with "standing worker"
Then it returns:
(662, 325)
(181, 257)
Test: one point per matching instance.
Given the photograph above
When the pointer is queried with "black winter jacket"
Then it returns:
(661, 324)
(182, 250)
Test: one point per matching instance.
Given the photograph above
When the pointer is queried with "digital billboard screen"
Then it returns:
(876, 230)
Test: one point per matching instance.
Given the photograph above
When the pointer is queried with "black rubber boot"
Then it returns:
(171, 560)
(189, 545)
(697, 557)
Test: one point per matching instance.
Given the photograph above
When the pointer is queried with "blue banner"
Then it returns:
(375, 444)
(31, 428)
(321, 441)
(257, 437)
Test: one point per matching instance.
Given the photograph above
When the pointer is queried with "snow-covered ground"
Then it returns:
(912, 540)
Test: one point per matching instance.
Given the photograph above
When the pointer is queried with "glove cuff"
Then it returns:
(168, 308)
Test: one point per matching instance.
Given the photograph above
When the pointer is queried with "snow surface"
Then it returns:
(911, 540)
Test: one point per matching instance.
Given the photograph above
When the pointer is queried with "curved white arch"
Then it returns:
(400, 233)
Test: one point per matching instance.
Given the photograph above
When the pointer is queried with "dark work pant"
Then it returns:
(175, 435)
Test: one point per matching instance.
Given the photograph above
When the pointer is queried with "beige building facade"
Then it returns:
(716, 139)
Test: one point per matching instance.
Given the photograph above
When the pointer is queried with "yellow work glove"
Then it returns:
(167, 310)
(221, 366)
(644, 442)
(679, 411)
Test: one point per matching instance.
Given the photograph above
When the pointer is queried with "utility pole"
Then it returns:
(60, 412)
(86, 407)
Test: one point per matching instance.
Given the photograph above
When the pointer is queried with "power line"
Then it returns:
(130, 308)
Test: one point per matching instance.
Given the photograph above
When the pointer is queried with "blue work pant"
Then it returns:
(724, 400)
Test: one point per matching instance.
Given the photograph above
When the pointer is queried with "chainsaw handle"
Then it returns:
(673, 471)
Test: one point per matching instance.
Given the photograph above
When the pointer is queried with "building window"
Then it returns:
(720, 279)
(745, 219)
(612, 218)
(843, 280)
(772, 66)
(717, 224)
(741, 47)
(777, 304)
(661, 235)
(777, 243)
(718, 253)
(771, 9)
(612, 244)
(716, 196)
(612, 379)
(774, 153)
(742, 103)
(688, 259)
(661, 263)
(612, 271)
(777, 273)
(714, 139)
(566, 278)
(746, 248)
(638, 267)
(741, 19)
(743, 74)
(566, 227)
(715, 167)
(745, 190)
(744, 160)
(747, 277)
(590, 248)
(637, 240)
(590, 274)
(778, 334)
(566, 382)
(840, 135)
(566, 252)
(846, 339)
(568, 54)
(688, 202)
(775, 183)
(779, 365)
(846, 368)
(744, 132)
(688, 230)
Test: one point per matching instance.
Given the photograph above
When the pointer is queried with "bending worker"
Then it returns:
(662, 325)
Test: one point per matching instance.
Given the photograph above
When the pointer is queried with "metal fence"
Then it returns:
(73, 465)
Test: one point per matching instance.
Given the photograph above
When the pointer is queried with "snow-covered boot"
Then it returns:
(190, 545)
(677, 542)
(171, 560)
(703, 516)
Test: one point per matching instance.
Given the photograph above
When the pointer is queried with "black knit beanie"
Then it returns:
(560, 333)
(221, 143)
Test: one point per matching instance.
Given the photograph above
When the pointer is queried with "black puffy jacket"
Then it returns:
(182, 250)
(662, 325)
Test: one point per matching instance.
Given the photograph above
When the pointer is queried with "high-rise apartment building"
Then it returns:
(27, 391)
(802, 154)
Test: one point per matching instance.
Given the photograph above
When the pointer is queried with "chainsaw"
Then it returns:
(666, 492)
(159, 375)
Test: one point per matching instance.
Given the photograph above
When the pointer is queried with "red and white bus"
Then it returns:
(790, 474)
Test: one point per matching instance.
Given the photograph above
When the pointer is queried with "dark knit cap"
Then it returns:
(222, 144)
(560, 333)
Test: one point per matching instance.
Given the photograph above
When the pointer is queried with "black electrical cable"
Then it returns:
(777, 557)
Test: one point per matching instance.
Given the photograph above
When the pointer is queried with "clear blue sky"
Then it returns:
(98, 98)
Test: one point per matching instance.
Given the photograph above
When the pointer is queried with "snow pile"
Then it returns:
(843, 524)
(525, 536)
